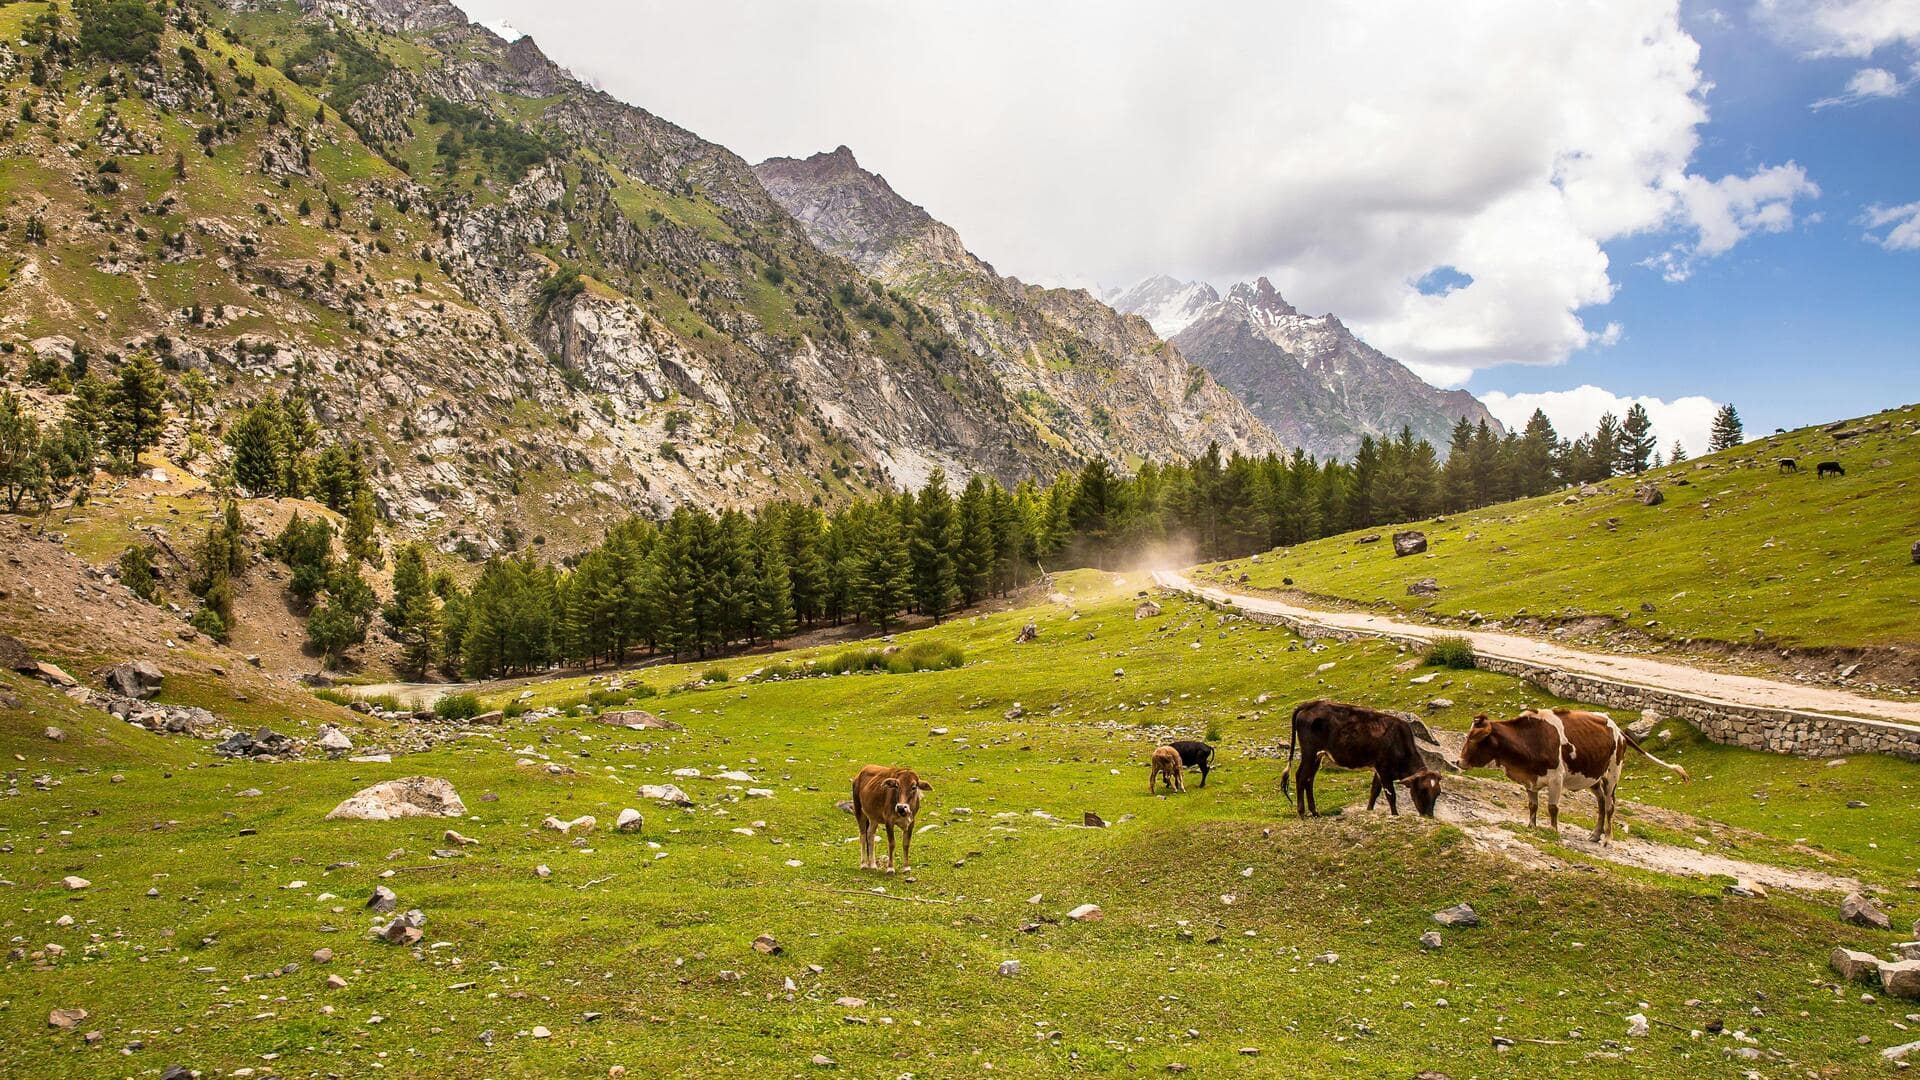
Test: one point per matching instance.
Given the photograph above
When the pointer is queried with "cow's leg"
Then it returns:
(1180, 780)
(1303, 779)
(1204, 769)
(1153, 773)
(1533, 806)
(889, 847)
(1393, 801)
(869, 860)
(906, 846)
(1602, 825)
(1373, 792)
(1555, 785)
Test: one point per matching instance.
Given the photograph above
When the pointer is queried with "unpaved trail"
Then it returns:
(1485, 810)
(1658, 674)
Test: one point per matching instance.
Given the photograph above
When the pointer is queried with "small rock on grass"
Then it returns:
(765, 945)
(1457, 915)
(1861, 911)
(66, 1019)
(382, 901)
(74, 883)
(1086, 913)
(629, 820)
(1009, 968)
(1430, 940)
(1637, 1026)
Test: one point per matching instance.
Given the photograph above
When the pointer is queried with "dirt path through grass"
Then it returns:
(1734, 689)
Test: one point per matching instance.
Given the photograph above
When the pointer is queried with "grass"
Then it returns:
(1740, 552)
(647, 943)
(460, 706)
(1449, 651)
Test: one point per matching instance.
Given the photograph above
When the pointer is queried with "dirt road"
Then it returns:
(1733, 689)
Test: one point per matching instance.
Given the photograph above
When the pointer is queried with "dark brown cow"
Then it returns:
(1560, 750)
(1357, 737)
(883, 795)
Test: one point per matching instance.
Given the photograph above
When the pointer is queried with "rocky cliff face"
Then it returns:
(536, 306)
(1306, 376)
(1090, 377)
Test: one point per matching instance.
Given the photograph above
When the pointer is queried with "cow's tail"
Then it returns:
(1635, 743)
(1293, 740)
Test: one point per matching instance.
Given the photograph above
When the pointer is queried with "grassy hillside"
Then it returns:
(1738, 551)
(636, 951)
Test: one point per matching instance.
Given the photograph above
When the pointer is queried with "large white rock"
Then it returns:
(628, 821)
(409, 796)
(665, 793)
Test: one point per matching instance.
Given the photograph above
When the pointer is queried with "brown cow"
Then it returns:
(1357, 737)
(883, 795)
(1165, 764)
(1561, 750)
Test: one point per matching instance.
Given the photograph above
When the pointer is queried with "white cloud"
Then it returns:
(1851, 29)
(1904, 234)
(1344, 150)
(1575, 412)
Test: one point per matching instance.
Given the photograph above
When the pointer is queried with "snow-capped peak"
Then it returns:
(1168, 304)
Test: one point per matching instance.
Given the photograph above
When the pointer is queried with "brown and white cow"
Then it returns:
(1561, 750)
(884, 795)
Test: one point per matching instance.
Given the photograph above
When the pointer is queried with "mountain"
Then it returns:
(1094, 378)
(534, 307)
(1306, 376)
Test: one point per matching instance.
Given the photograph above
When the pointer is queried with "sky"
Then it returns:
(1565, 205)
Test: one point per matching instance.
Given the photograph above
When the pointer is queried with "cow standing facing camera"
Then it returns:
(884, 795)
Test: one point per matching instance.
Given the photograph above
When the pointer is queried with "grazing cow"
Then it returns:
(1821, 470)
(1195, 754)
(1560, 750)
(883, 795)
(1165, 765)
(1357, 737)
(1788, 465)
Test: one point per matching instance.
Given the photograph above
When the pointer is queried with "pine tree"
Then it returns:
(974, 552)
(1604, 452)
(362, 531)
(931, 549)
(1637, 441)
(1456, 476)
(1728, 432)
(1533, 463)
(881, 582)
(802, 532)
(770, 606)
(135, 407)
(1679, 452)
(258, 441)
(413, 613)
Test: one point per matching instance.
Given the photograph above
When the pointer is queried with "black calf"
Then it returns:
(1826, 467)
(1195, 754)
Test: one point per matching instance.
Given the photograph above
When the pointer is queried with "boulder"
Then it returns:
(1370, 538)
(409, 796)
(382, 901)
(629, 820)
(261, 743)
(1145, 609)
(1086, 913)
(584, 823)
(666, 793)
(1425, 586)
(493, 718)
(1027, 633)
(1410, 542)
(51, 674)
(1860, 911)
(333, 740)
(15, 657)
(1092, 820)
(1457, 915)
(636, 720)
(1901, 978)
(66, 1019)
(134, 679)
(1649, 495)
(1853, 965)
(1432, 754)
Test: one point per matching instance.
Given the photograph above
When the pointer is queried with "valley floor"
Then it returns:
(1235, 938)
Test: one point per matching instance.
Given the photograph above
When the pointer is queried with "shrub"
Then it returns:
(1213, 731)
(136, 571)
(714, 675)
(332, 697)
(124, 31)
(462, 706)
(209, 622)
(513, 709)
(1449, 651)
(926, 656)
(853, 660)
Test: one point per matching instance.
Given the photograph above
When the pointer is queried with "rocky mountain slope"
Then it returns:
(1307, 376)
(538, 308)
(1093, 377)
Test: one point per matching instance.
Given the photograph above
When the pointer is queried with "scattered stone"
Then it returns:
(1748, 889)
(1439, 703)
(823, 1061)
(1410, 542)
(1901, 978)
(1425, 586)
(75, 883)
(1649, 495)
(1145, 609)
(543, 870)
(403, 929)
(55, 734)
(541, 1032)
(1430, 940)
(1092, 820)
(409, 796)
(134, 679)
(1015, 713)
(765, 945)
(666, 793)
(1457, 915)
(629, 820)
(637, 720)
(323, 956)
(1861, 911)
(1009, 968)
(1900, 1053)
(335, 982)
(584, 823)
(248, 793)
(452, 837)
(1086, 913)
(262, 743)
(333, 740)
(850, 1002)
(1637, 1026)
(66, 1019)
(382, 901)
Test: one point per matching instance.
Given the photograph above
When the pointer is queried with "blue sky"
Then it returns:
(1811, 324)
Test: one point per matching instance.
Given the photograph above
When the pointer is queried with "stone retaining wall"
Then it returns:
(1783, 731)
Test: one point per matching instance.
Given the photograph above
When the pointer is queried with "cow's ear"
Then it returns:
(1480, 721)
(923, 785)
(892, 783)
